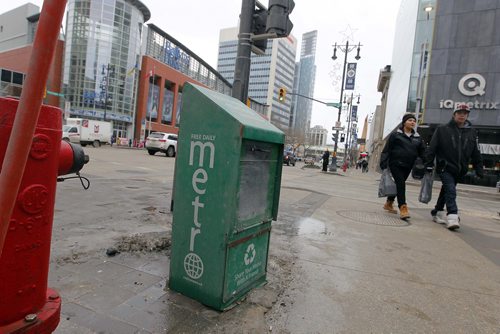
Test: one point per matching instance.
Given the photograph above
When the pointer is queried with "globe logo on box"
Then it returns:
(193, 265)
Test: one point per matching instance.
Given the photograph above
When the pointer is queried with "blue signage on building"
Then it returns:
(175, 57)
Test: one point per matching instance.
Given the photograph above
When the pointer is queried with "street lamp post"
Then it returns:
(350, 120)
(346, 48)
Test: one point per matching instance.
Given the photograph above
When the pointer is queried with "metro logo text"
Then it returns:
(201, 155)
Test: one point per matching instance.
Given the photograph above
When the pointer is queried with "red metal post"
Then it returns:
(29, 108)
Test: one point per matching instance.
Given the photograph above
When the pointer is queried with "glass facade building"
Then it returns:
(168, 50)
(305, 76)
(102, 55)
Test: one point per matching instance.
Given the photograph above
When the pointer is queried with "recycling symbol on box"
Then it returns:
(249, 254)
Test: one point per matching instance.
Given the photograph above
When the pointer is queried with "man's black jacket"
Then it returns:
(402, 150)
(453, 148)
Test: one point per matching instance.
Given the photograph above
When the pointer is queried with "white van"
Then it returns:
(87, 131)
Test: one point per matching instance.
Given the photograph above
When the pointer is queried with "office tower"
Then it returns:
(268, 73)
(305, 74)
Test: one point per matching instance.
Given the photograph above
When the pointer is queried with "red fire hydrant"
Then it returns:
(26, 304)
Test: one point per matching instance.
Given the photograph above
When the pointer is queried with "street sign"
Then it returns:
(340, 128)
(338, 124)
(333, 104)
(55, 93)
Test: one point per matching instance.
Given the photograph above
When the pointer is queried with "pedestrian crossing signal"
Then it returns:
(282, 95)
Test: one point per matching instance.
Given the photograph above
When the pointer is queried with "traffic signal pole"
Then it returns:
(328, 104)
(242, 66)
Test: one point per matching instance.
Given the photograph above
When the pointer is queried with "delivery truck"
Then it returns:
(86, 131)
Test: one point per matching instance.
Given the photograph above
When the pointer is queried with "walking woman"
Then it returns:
(399, 155)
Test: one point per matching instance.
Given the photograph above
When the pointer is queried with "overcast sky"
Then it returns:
(196, 24)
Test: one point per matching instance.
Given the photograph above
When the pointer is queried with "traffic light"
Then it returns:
(334, 137)
(259, 28)
(282, 95)
(277, 18)
(342, 137)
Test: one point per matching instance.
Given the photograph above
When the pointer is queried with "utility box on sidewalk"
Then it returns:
(226, 193)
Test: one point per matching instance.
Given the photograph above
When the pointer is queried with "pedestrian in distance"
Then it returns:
(364, 165)
(403, 147)
(326, 158)
(452, 146)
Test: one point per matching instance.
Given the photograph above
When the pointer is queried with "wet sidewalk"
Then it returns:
(363, 270)
(337, 264)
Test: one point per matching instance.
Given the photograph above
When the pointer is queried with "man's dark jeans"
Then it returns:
(448, 194)
(400, 174)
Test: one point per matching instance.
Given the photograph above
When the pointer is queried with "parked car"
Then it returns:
(162, 142)
(289, 158)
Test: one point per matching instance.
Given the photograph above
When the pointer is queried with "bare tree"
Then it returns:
(296, 138)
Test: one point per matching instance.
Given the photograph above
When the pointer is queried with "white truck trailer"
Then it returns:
(87, 131)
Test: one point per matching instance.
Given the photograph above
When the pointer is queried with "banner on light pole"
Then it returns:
(351, 76)
(354, 115)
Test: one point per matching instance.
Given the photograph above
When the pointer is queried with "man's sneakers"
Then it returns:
(438, 217)
(453, 222)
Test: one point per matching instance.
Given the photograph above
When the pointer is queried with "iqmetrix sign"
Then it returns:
(450, 104)
(472, 84)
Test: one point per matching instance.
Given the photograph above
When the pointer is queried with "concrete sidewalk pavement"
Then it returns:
(338, 264)
(366, 271)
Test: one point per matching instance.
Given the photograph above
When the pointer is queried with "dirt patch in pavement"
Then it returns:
(145, 242)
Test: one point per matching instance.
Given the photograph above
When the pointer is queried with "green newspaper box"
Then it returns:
(226, 192)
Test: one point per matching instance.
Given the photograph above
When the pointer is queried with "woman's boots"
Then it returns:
(388, 206)
(403, 212)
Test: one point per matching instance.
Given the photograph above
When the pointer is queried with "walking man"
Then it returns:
(326, 158)
(453, 145)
